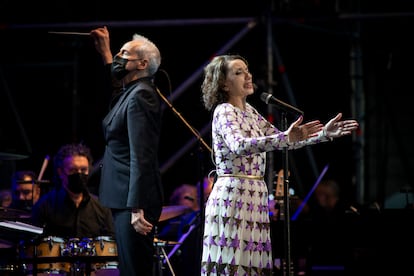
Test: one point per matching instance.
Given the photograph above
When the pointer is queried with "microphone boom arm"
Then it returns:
(269, 99)
(196, 134)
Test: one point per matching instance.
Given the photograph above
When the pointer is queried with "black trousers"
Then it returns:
(135, 251)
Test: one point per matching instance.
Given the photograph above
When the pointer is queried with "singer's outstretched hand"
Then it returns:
(297, 132)
(336, 128)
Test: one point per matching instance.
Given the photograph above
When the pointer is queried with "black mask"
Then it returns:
(25, 205)
(77, 182)
(118, 67)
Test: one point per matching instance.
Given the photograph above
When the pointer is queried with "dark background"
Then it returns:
(51, 89)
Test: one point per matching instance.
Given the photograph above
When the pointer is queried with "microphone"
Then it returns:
(269, 99)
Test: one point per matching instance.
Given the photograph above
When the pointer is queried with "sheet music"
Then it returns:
(17, 225)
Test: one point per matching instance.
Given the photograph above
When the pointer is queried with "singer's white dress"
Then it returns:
(236, 238)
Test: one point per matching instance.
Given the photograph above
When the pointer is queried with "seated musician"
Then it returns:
(26, 190)
(69, 211)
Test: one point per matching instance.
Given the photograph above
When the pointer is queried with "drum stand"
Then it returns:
(161, 256)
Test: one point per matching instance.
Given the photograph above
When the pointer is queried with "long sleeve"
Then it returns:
(243, 137)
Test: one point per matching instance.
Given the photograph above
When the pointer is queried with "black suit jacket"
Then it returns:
(130, 176)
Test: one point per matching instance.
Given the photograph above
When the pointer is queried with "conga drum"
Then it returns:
(50, 246)
(105, 246)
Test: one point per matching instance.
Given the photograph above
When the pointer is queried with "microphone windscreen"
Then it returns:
(265, 97)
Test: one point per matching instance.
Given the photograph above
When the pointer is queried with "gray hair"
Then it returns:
(149, 51)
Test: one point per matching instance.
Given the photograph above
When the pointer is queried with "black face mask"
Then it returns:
(77, 182)
(118, 67)
(25, 205)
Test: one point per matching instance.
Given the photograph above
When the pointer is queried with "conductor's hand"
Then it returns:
(336, 128)
(102, 43)
(140, 224)
(297, 132)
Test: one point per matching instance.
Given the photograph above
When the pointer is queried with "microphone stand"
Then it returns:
(285, 108)
(199, 217)
(196, 134)
(286, 203)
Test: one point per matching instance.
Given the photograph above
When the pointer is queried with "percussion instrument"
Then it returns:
(172, 211)
(105, 246)
(79, 247)
(8, 258)
(73, 256)
(50, 246)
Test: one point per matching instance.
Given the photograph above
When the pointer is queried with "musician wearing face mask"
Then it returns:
(26, 190)
(69, 210)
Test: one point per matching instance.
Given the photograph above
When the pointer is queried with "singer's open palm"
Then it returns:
(297, 132)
